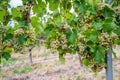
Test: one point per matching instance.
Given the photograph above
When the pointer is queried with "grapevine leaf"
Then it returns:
(6, 53)
(15, 13)
(39, 7)
(71, 36)
(80, 7)
(53, 4)
(93, 48)
(62, 59)
(117, 41)
(117, 31)
(48, 30)
(100, 54)
(36, 24)
(9, 34)
(97, 25)
(57, 18)
(114, 54)
(109, 25)
(92, 35)
(2, 15)
(22, 39)
(85, 62)
(108, 12)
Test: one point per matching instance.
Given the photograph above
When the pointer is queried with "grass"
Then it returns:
(5, 62)
(25, 69)
(78, 78)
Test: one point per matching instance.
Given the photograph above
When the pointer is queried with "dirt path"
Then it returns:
(48, 67)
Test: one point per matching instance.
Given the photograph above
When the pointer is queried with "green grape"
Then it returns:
(54, 44)
(114, 36)
(100, 6)
(87, 26)
(31, 33)
(19, 32)
(66, 26)
(106, 40)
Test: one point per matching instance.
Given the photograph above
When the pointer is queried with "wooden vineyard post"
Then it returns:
(109, 69)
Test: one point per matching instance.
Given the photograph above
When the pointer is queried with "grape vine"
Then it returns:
(86, 27)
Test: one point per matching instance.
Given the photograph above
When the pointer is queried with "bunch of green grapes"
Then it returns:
(30, 38)
(2, 29)
(117, 15)
(95, 67)
(87, 26)
(19, 32)
(81, 44)
(31, 34)
(85, 54)
(59, 42)
(23, 9)
(106, 40)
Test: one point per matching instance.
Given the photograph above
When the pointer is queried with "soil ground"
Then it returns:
(46, 66)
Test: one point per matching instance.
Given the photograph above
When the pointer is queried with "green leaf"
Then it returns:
(93, 48)
(22, 39)
(82, 8)
(97, 25)
(2, 12)
(35, 21)
(22, 23)
(79, 6)
(99, 56)
(117, 41)
(9, 36)
(92, 35)
(117, 31)
(9, 33)
(62, 59)
(85, 62)
(57, 18)
(15, 13)
(39, 7)
(53, 4)
(48, 30)
(108, 12)
(7, 53)
(71, 35)
(7, 50)
(114, 54)
(109, 25)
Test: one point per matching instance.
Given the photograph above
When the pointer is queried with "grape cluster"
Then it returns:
(117, 15)
(2, 29)
(60, 42)
(23, 9)
(107, 40)
(31, 33)
(19, 32)
(87, 26)
(30, 39)
(81, 44)
(95, 67)
(104, 39)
